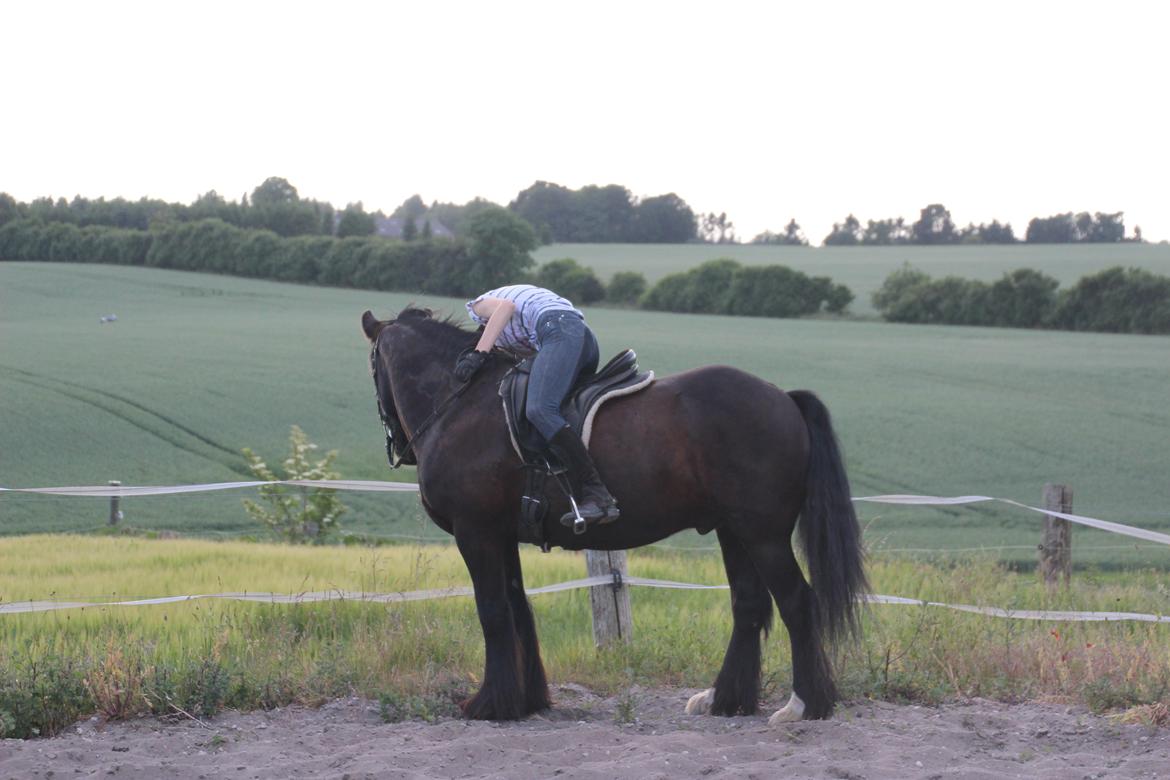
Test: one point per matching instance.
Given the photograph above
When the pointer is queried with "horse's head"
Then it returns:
(418, 352)
(397, 451)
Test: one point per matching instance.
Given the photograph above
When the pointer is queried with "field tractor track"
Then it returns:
(168, 433)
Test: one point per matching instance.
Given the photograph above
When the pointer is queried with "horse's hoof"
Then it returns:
(793, 710)
(700, 703)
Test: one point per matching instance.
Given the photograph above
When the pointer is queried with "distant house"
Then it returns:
(391, 227)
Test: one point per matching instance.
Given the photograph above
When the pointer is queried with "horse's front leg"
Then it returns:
(501, 696)
(535, 681)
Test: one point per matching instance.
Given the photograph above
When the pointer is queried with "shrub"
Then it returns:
(446, 273)
(575, 282)
(667, 293)
(725, 287)
(300, 259)
(1116, 300)
(41, 694)
(898, 285)
(708, 287)
(774, 291)
(299, 514)
(1022, 299)
(908, 295)
(838, 298)
(626, 287)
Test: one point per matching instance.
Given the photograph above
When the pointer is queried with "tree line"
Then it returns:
(935, 227)
(274, 205)
(495, 248)
(591, 214)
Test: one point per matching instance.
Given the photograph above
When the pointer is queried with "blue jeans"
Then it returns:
(566, 349)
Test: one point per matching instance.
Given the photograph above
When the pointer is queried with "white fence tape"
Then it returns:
(123, 491)
(588, 582)
(126, 491)
(1092, 522)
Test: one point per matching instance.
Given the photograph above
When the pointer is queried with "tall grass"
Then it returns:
(191, 659)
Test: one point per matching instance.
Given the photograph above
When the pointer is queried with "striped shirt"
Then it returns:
(519, 334)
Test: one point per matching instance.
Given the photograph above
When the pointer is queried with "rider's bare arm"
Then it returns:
(497, 312)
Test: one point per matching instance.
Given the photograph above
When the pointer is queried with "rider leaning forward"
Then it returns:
(532, 320)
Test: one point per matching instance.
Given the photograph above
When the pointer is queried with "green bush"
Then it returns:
(775, 291)
(667, 293)
(300, 259)
(626, 287)
(838, 298)
(725, 287)
(575, 282)
(40, 694)
(898, 286)
(1116, 300)
(1022, 299)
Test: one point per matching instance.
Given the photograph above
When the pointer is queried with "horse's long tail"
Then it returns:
(829, 530)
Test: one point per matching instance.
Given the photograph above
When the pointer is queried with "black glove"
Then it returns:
(468, 364)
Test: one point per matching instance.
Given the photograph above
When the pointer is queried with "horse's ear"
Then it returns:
(370, 326)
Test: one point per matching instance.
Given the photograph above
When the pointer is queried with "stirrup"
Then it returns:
(578, 523)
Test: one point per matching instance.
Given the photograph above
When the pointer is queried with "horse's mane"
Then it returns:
(446, 334)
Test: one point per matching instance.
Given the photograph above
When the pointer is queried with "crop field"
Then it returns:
(198, 366)
(862, 269)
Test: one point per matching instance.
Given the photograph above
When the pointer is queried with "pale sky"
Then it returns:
(767, 111)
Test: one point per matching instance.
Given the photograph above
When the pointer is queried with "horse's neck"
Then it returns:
(421, 380)
(416, 396)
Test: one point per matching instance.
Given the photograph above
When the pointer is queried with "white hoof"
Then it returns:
(793, 710)
(700, 703)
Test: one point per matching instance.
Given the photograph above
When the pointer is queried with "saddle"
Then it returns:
(619, 377)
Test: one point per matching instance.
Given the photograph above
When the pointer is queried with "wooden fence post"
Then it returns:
(1056, 547)
(611, 602)
(115, 512)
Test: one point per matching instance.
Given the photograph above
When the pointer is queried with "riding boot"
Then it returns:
(594, 502)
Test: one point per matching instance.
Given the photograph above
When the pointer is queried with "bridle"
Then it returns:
(393, 426)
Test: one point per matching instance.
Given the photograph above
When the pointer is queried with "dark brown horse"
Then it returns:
(711, 449)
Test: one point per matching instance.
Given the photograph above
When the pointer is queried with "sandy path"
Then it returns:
(580, 739)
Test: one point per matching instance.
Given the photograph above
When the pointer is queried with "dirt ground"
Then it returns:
(582, 738)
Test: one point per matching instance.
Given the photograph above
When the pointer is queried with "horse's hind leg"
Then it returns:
(813, 691)
(501, 696)
(535, 682)
(737, 688)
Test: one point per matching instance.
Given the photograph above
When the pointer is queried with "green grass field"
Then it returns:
(199, 366)
(862, 269)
